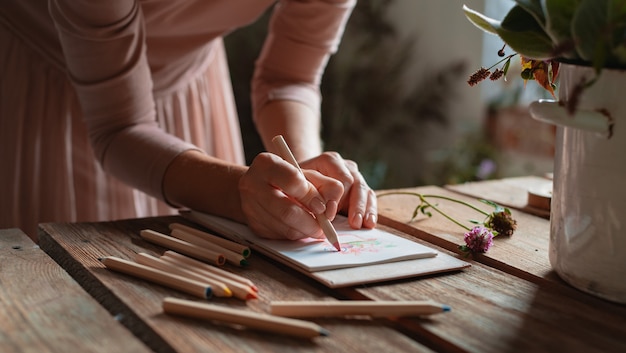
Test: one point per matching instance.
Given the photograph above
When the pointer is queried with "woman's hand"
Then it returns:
(358, 200)
(278, 202)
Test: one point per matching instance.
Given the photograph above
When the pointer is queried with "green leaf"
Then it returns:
(481, 21)
(521, 31)
(559, 15)
(588, 25)
(506, 66)
(617, 18)
(535, 8)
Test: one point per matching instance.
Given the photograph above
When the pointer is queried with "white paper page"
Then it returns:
(358, 247)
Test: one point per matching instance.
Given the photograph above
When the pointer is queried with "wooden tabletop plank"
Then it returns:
(78, 246)
(522, 306)
(44, 310)
(524, 254)
(510, 192)
(495, 312)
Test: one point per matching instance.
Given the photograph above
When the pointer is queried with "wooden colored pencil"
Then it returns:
(231, 256)
(218, 288)
(356, 307)
(239, 290)
(182, 246)
(199, 289)
(253, 320)
(327, 227)
(225, 243)
(213, 269)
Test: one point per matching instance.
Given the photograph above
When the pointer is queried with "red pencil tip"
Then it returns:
(337, 246)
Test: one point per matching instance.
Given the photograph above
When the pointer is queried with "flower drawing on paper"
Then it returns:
(356, 245)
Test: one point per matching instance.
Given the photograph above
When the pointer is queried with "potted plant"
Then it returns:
(583, 44)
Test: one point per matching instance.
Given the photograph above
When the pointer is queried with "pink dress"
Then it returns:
(98, 97)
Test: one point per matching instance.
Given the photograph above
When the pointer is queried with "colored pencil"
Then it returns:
(182, 246)
(213, 269)
(157, 276)
(225, 243)
(356, 307)
(239, 290)
(327, 227)
(231, 256)
(253, 320)
(218, 288)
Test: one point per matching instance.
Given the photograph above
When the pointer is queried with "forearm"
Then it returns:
(298, 123)
(203, 183)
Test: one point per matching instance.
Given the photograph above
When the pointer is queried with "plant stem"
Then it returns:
(508, 57)
(424, 201)
(458, 201)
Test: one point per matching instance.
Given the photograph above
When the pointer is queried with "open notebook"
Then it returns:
(366, 256)
(358, 247)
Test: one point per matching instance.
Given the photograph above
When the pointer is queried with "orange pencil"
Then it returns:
(218, 271)
(239, 290)
(219, 289)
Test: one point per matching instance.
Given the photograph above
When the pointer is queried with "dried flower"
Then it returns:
(477, 240)
(501, 222)
(478, 76)
(496, 75)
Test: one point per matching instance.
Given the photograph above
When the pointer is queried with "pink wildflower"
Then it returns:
(478, 240)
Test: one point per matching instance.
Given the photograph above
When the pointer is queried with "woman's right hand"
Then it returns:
(278, 202)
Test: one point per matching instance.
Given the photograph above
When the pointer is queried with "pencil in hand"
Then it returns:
(327, 227)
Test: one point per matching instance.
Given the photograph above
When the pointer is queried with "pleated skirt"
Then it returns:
(48, 172)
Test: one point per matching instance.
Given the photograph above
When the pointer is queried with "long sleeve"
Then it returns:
(104, 47)
(301, 37)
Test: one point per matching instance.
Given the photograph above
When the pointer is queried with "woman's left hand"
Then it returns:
(358, 200)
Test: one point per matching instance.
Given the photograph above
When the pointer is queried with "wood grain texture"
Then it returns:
(509, 300)
(495, 312)
(44, 310)
(78, 246)
(524, 254)
(510, 192)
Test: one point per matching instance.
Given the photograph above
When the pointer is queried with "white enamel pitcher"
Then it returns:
(588, 210)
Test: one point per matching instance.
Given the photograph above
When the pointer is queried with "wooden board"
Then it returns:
(525, 254)
(44, 310)
(494, 312)
(510, 192)
(78, 247)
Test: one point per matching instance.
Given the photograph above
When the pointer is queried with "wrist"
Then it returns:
(200, 182)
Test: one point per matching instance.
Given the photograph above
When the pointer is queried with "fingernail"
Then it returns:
(317, 206)
(357, 220)
(370, 220)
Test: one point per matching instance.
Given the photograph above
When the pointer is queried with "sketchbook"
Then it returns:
(367, 255)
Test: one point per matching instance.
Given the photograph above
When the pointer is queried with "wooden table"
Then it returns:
(509, 300)
(42, 309)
